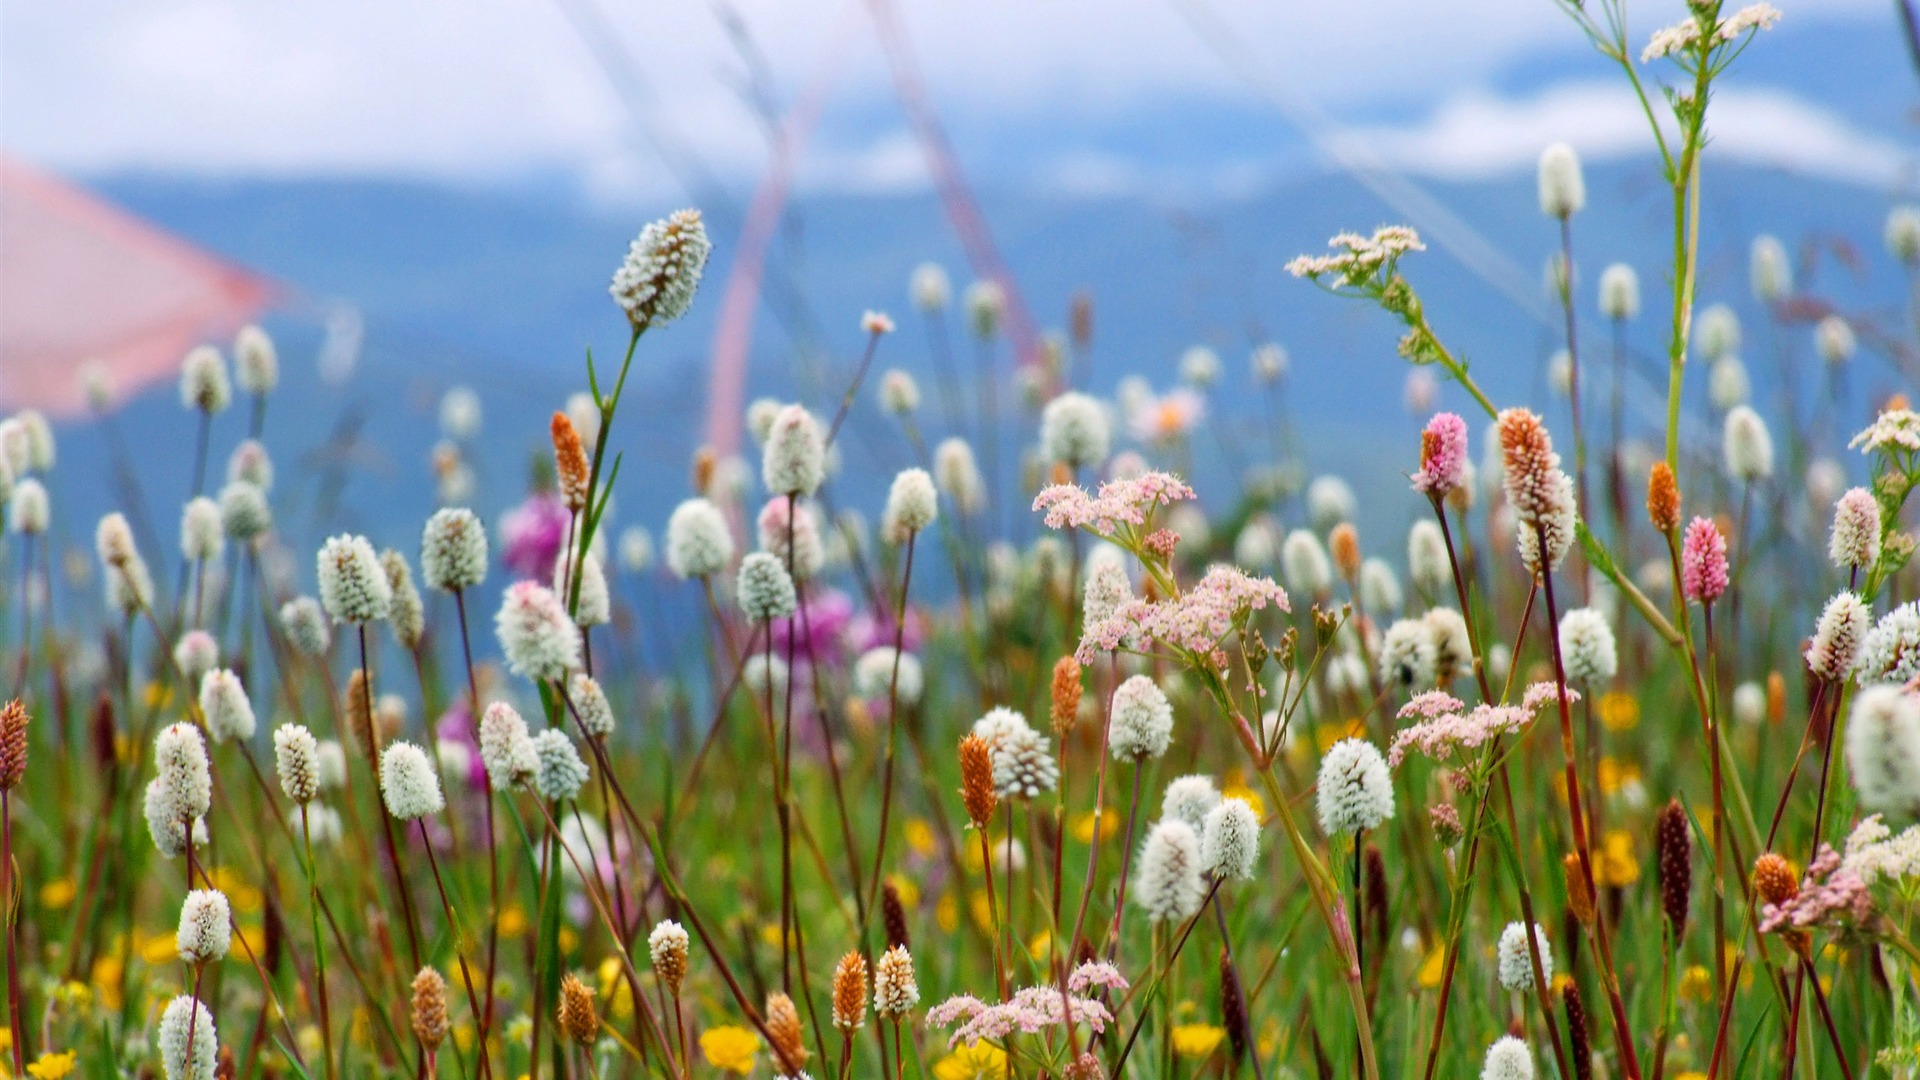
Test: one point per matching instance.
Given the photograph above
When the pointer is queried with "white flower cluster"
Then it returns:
(1022, 765)
(1355, 788)
(662, 270)
(453, 550)
(1142, 722)
(408, 782)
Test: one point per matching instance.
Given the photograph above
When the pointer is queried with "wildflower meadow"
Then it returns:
(1075, 761)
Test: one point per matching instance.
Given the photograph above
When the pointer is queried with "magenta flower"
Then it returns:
(1703, 562)
(1443, 455)
(819, 638)
(532, 534)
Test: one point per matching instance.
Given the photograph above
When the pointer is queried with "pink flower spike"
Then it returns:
(1703, 562)
(1443, 455)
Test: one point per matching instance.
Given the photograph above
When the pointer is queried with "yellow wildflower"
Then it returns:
(1696, 984)
(57, 894)
(1432, 967)
(981, 1061)
(946, 913)
(908, 889)
(1617, 864)
(1237, 789)
(513, 922)
(730, 1048)
(919, 837)
(52, 1066)
(1040, 945)
(1197, 1040)
(1329, 734)
(1619, 711)
(1109, 824)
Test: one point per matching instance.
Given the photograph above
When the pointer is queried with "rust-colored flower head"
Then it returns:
(1066, 694)
(894, 915)
(1579, 891)
(704, 462)
(1663, 498)
(224, 1066)
(976, 780)
(578, 1019)
(1233, 1009)
(569, 462)
(1776, 697)
(789, 1039)
(13, 743)
(361, 731)
(850, 992)
(1343, 543)
(1673, 843)
(1774, 879)
(1579, 1031)
(429, 1008)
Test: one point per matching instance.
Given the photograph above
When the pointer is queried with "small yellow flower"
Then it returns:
(1691, 1075)
(513, 922)
(157, 695)
(946, 913)
(920, 837)
(1619, 711)
(730, 1048)
(1236, 789)
(1109, 824)
(52, 1066)
(1197, 1040)
(1696, 984)
(57, 894)
(1618, 866)
(160, 949)
(981, 1061)
(908, 889)
(1040, 945)
(1432, 967)
(1333, 733)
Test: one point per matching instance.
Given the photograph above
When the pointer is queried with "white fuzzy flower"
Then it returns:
(167, 830)
(1563, 191)
(296, 756)
(656, 283)
(761, 673)
(1508, 1059)
(899, 394)
(1427, 563)
(1379, 588)
(1305, 565)
(306, 625)
(929, 287)
(255, 361)
(1230, 840)
(224, 703)
(40, 444)
(1022, 766)
(795, 459)
(27, 507)
(353, 587)
(792, 533)
(873, 675)
(201, 534)
(1269, 362)
(590, 701)
(763, 589)
(1587, 647)
(636, 550)
(1750, 703)
(251, 462)
(1727, 383)
(1770, 272)
(206, 927)
(1854, 543)
(699, 544)
(1903, 234)
(911, 505)
(1619, 292)
(129, 585)
(453, 550)
(332, 762)
(244, 511)
(1142, 723)
(1890, 653)
(1330, 501)
(405, 613)
(596, 602)
(1075, 430)
(1168, 885)
(1883, 749)
(1355, 788)
(1408, 656)
(559, 774)
(180, 759)
(1452, 645)
(408, 783)
(1716, 333)
(985, 303)
(539, 641)
(460, 413)
(506, 749)
(1190, 799)
(958, 475)
(895, 990)
(1200, 366)
(1516, 966)
(1748, 447)
(1844, 623)
(203, 380)
(184, 1017)
(1833, 339)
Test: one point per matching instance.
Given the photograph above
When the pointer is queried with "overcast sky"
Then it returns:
(1081, 93)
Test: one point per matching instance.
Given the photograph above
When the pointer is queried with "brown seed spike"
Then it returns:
(1375, 878)
(976, 780)
(360, 726)
(1579, 1032)
(784, 1031)
(101, 732)
(1233, 1009)
(1066, 694)
(429, 1008)
(1673, 844)
(13, 743)
(570, 462)
(1663, 498)
(850, 993)
(578, 1019)
(894, 914)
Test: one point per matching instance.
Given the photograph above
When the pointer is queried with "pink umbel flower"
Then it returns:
(1120, 502)
(1096, 974)
(1032, 1010)
(1703, 562)
(1446, 727)
(1830, 893)
(1193, 623)
(1443, 455)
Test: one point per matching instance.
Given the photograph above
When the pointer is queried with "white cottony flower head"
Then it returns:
(244, 511)
(540, 642)
(656, 283)
(1107, 585)
(958, 475)
(1452, 645)
(1747, 445)
(206, 927)
(874, 679)
(1508, 1059)
(332, 760)
(1727, 382)
(1883, 749)
(590, 701)
(296, 756)
(1587, 647)
(1844, 624)
(251, 462)
(895, 990)
(912, 505)
(506, 749)
(405, 614)
(224, 703)
(1142, 722)
(306, 625)
(1427, 564)
(760, 673)
(1750, 703)
(792, 532)
(180, 759)
(1890, 653)
(1409, 656)
(636, 550)
(1516, 966)
(460, 413)
(408, 782)
(763, 589)
(1075, 430)
(255, 361)
(596, 602)
(1854, 543)
(1619, 292)
(1903, 234)
(1563, 190)
(166, 828)
(1200, 366)
(353, 587)
(560, 774)
(1230, 840)
(1168, 885)
(1190, 799)
(1355, 788)
(1305, 565)
(760, 416)
(129, 585)
(1716, 333)
(985, 302)
(1833, 339)
(184, 1013)
(40, 444)
(202, 536)
(929, 287)
(1330, 501)
(27, 507)
(1022, 765)
(699, 544)
(795, 459)
(453, 550)
(1379, 588)
(203, 380)
(899, 394)
(1769, 270)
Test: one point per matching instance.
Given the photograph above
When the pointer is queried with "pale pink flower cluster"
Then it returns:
(1032, 1010)
(1703, 562)
(1120, 502)
(1830, 892)
(1896, 431)
(1356, 258)
(1446, 727)
(1683, 35)
(1096, 973)
(1443, 455)
(1194, 622)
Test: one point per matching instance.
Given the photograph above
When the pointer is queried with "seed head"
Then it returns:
(794, 461)
(184, 1013)
(667, 949)
(1230, 840)
(1563, 191)
(429, 1008)
(1142, 725)
(578, 1019)
(656, 283)
(1844, 625)
(699, 544)
(224, 704)
(784, 1031)
(1064, 709)
(763, 589)
(353, 587)
(203, 380)
(408, 782)
(540, 642)
(1855, 541)
(1075, 430)
(1673, 844)
(912, 505)
(1774, 880)
(206, 927)
(560, 774)
(1355, 788)
(976, 780)
(894, 914)
(1168, 885)
(296, 756)
(453, 550)
(1619, 292)
(570, 462)
(1703, 562)
(1508, 1059)
(596, 602)
(13, 744)
(1663, 498)
(1190, 799)
(1343, 543)
(895, 990)
(1516, 963)
(506, 749)
(850, 992)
